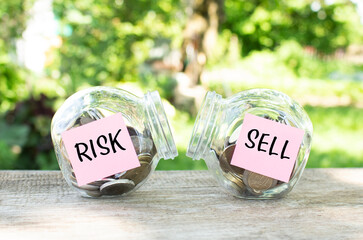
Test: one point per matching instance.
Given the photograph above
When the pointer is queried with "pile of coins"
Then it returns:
(119, 183)
(243, 181)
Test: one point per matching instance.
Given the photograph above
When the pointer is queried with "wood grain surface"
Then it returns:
(326, 204)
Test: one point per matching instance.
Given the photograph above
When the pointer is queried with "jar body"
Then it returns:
(146, 124)
(218, 126)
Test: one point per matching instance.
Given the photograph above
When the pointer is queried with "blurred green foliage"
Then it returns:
(25, 136)
(13, 16)
(262, 24)
(106, 41)
(337, 137)
(283, 45)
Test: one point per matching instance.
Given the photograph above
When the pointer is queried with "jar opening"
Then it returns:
(159, 126)
(204, 126)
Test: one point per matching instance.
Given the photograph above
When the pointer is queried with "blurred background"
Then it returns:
(311, 50)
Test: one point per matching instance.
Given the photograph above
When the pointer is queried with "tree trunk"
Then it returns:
(200, 36)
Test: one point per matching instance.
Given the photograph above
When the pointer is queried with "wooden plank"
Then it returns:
(326, 204)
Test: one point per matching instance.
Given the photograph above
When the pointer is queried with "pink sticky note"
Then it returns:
(267, 147)
(100, 149)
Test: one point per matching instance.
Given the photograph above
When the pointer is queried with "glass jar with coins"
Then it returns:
(108, 141)
(255, 143)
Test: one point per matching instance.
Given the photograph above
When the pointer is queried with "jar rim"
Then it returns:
(200, 139)
(159, 126)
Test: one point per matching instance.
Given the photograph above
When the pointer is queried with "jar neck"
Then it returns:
(159, 126)
(205, 126)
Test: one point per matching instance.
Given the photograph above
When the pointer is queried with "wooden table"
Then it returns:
(326, 204)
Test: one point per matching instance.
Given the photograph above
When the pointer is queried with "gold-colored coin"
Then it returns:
(138, 174)
(145, 158)
(239, 185)
(225, 161)
(258, 182)
(117, 187)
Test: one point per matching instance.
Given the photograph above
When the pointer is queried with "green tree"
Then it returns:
(261, 24)
(105, 41)
(13, 16)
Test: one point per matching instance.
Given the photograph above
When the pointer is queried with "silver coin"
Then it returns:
(89, 116)
(93, 193)
(117, 187)
(142, 145)
(99, 183)
(85, 120)
(108, 179)
(118, 175)
(87, 187)
(147, 134)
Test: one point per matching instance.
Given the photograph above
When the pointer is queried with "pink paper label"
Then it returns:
(267, 147)
(100, 149)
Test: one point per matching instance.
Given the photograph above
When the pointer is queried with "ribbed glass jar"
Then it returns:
(217, 128)
(147, 126)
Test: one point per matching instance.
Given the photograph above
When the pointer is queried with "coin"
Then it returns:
(72, 177)
(118, 175)
(142, 145)
(137, 175)
(147, 134)
(117, 187)
(87, 187)
(225, 161)
(145, 158)
(226, 142)
(89, 116)
(257, 181)
(85, 120)
(238, 182)
(132, 131)
(93, 193)
(98, 183)
(122, 182)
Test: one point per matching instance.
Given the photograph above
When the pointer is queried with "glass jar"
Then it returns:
(217, 129)
(147, 127)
